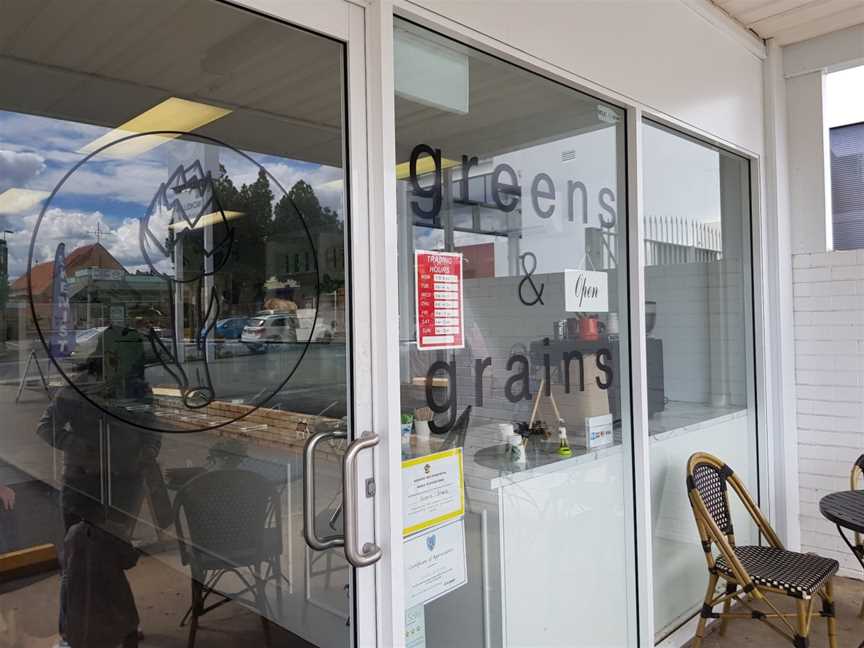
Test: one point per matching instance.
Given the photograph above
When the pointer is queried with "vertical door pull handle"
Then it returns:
(309, 531)
(369, 553)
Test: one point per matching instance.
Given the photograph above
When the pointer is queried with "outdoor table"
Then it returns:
(846, 510)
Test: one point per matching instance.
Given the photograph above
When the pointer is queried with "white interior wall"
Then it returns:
(828, 288)
(692, 300)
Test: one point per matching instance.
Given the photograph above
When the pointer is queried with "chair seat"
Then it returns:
(799, 575)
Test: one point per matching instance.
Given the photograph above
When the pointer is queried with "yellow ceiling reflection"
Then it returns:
(173, 114)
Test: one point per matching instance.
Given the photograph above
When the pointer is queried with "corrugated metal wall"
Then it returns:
(847, 186)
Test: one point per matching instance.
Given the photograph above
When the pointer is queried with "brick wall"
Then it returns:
(829, 370)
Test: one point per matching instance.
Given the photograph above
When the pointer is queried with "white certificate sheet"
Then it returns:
(433, 490)
(435, 563)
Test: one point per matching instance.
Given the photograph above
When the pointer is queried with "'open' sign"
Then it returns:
(586, 291)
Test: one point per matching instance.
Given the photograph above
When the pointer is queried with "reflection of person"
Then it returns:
(101, 455)
(7, 498)
(8, 522)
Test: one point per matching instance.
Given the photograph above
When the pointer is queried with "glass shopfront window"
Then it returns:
(171, 188)
(699, 347)
(513, 328)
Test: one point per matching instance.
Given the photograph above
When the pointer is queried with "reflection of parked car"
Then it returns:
(230, 328)
(270, 329)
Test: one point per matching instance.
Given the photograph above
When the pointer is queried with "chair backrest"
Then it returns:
(857, 473)
(224, 515)
(855, 483)
(709, 478)
(708, 481)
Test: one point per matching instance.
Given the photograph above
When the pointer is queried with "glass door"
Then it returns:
(177, 352)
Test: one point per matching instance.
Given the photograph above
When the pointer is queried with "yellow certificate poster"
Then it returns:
(433, 490)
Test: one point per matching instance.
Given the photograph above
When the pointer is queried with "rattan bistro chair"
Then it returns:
(223, 524)
(855, 484)
(751, 572)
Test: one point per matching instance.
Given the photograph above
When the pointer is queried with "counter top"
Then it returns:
(488, 467)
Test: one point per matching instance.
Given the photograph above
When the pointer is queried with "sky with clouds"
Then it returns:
(108, 194)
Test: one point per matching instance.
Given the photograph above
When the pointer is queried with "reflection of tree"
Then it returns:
(324, 226)
(244, 274)
(264, 226)
(318, 219)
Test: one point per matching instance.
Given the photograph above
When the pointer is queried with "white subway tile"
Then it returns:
(801, 261)
(811, 274)
(842, 258)
(841, 273)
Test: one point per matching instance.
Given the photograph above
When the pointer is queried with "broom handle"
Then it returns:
(555, 406)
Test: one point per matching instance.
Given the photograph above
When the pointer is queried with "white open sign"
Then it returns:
(586, 291)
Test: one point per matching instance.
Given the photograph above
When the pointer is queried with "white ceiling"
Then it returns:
(790, 21)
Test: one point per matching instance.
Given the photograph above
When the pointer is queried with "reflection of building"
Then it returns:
(101, 290)
(290, 257)
(41, 275)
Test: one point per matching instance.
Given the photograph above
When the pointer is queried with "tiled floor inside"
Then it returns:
(754, 634)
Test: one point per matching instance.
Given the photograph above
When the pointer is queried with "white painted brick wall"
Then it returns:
(829, 371)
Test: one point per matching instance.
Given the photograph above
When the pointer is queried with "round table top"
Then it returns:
(845, 509)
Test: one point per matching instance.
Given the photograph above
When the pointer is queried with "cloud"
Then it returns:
(75, 228)
(326, 181)
(132, 181)
(18, 168)
(36, 152)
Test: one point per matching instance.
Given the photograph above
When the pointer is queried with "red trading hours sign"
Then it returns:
(438, 287)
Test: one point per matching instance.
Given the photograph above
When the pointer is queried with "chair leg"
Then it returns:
(197, 605)
(731, 588)
(261, 601)
(829, 613)
(277, 578)
(706, 611)
(802, 638)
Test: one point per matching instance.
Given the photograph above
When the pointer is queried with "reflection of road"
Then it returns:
(249, 377)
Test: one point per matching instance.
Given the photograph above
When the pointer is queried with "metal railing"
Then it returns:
(668, 241)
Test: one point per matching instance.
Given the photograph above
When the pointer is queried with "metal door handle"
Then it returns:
(309, 531)
(370, 552)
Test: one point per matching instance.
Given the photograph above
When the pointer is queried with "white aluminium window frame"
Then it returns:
(383, 242)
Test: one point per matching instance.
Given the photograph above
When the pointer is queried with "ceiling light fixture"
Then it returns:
(424, 165)
(173, 114)
(213, 218)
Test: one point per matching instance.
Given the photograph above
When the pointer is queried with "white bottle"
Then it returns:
(517, 449)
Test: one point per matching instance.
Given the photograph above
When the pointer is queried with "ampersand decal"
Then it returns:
(538, 294)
